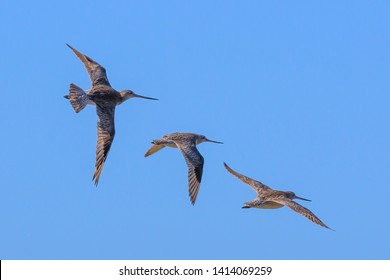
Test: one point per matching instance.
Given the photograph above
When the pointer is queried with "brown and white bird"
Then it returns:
(186, 143)
(105, 98)
(268, 198)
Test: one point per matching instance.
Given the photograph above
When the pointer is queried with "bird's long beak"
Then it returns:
(145, 97)
(301, 198)
(208, 140)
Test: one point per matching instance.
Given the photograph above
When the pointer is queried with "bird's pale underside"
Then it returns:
(186, 143)
(106, 99)
(268, 198)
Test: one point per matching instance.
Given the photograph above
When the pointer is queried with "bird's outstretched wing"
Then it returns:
(301, 210)
(256, 185)
(106, 133)
(96, 72)
(195, 163)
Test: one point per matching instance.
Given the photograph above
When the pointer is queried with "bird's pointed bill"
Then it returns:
(208, 140)
(145, 97)
(301, 198)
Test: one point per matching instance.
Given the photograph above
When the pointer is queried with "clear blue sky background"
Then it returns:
(298, 92)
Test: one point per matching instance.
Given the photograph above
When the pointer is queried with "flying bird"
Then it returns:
(268, 198)
(186, 143)
(105, 98)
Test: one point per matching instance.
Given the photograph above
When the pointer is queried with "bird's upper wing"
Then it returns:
(154, 149)
(195, 163)
(256, 185)
(301, 210)
(96, 72)
(106, 133)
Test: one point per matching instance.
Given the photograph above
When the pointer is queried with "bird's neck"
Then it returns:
(122, 97)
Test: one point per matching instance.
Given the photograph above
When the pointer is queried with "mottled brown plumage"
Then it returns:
(268, 198)
(186, 143)
(106, 99)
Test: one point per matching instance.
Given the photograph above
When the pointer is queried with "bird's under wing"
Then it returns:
(195, 163)
(96, 72)
(106, 133)
(256, 185)
(301, 210)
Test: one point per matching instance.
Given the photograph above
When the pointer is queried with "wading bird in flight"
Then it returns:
(186, 143)
(268, 198)
(105, 98)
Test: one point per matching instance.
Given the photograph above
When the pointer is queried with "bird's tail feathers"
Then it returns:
(77, 97)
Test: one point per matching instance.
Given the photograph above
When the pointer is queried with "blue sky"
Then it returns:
(297, 91)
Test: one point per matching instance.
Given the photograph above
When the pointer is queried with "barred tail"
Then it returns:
(77, 97)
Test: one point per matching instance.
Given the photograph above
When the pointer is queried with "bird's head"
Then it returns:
(292, 195)
(127, 94)
(202, 138)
